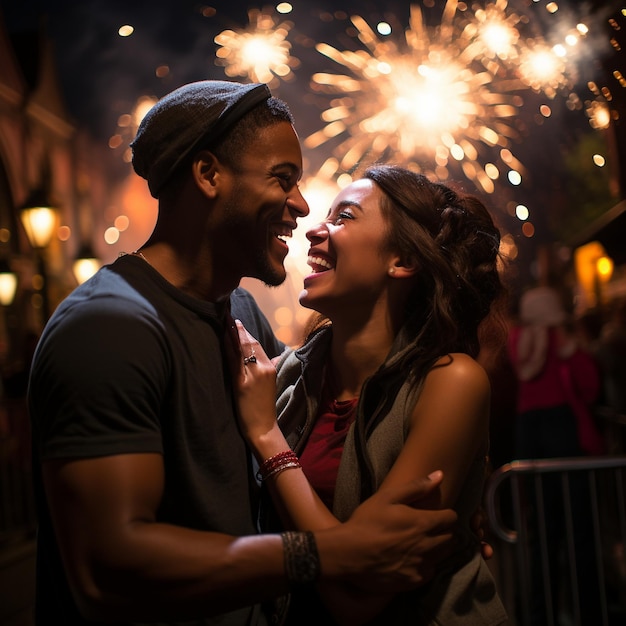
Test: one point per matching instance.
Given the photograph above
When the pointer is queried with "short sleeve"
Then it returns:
(97, 381)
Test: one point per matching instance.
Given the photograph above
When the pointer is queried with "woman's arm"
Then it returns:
(299, 505)
(450, 422)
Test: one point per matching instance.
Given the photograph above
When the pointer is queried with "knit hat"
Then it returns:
(188, 118)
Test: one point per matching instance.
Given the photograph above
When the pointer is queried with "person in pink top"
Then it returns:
(551, 366)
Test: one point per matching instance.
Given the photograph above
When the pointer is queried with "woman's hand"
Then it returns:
(254, 379)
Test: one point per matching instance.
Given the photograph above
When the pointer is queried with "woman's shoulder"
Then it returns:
(459, 367)
(455, 377)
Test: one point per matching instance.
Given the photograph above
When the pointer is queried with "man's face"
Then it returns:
(264, 202)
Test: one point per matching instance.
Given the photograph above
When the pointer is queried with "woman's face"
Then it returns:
(349, 257)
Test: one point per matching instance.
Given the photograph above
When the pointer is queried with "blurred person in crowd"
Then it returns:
(555, 375)
(146, 498)
(386, 388)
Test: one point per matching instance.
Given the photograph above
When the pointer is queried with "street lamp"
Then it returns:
(38, 216)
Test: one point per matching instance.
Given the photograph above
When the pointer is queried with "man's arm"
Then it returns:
(124, 565)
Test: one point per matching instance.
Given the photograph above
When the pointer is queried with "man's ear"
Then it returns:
(399, 268)
(206, 173)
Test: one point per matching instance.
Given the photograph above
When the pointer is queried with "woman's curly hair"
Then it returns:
(452, 241)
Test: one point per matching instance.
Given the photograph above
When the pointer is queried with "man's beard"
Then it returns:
(262, 269)
(266, 272)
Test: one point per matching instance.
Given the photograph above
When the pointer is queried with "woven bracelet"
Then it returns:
(302, 561)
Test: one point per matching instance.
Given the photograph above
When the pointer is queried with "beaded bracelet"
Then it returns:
(302, 560)
(277, 464)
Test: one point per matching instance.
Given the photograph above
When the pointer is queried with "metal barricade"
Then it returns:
(536, 495)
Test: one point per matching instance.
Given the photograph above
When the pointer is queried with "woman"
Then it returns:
(405, 270)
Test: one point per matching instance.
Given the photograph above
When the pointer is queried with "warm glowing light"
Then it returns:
(121, 222)
(545, 110)
(498, 36)
(111, 235)
(283, 316)
(143, 105)
(508, 247)
(515, 178)
(127, 125)
(599, 160)
(64, 233)
(541, 67)
(593, 269)
(599, 114)
(383, 28)
(125, 31)
(8, 282)
(284, 7)
(115, 141)
(285, 334)
(492, 171)
(522, 212)
(84, 269)
(604, 265)
(39, 223)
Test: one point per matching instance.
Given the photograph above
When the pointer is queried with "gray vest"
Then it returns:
(463, 592)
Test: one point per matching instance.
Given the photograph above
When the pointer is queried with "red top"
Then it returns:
(322, 452)
(546, 389)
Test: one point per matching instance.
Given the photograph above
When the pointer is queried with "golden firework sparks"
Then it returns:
(451, 92)
(260, 52)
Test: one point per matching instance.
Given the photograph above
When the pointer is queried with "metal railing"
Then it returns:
(549, 502)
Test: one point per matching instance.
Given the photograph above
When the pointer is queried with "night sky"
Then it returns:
(102, 75)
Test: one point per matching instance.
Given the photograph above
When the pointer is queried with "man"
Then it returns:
(146, 495)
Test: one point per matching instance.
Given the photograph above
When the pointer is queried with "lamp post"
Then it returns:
(39, 219)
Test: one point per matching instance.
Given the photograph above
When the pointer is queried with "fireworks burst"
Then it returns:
(451, 92)
(261, 52)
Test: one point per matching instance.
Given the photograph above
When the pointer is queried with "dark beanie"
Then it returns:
(190, 117)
